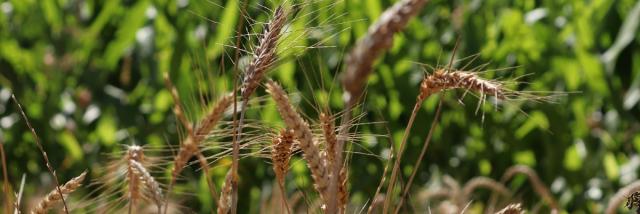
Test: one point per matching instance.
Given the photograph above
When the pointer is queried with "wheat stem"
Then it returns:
(434, 123)
(44, 154)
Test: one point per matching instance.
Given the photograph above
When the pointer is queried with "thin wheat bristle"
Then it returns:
(302, 132)
(54, 196)
(512, 209)
(152, 186)
(177, 107)
(281, 153)
(442, 80)
(359, 62)
(265, 54)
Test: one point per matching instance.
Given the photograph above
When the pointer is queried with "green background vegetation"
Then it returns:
(89, 74)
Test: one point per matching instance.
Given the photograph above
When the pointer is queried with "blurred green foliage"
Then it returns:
(89, 74)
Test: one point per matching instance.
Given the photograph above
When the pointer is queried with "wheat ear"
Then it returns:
(263, 58)
(512, 209)
(152, 186)
(280, 155)
(379, 38)
(443, 80)
(134, 154)
(209, 122)
(620, 196)
(302, 132)
(189, 146)
(265, 54)
(55, 195)
(337, 172)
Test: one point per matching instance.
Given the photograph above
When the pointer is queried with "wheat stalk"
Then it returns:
(302, 132)
(6, 186)
(44, 153)
(56, 194)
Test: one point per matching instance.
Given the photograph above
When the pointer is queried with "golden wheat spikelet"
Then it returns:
(54, 196)
(302, 132)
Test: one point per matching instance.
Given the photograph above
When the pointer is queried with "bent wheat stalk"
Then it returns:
(302, 132)
(56, 194)
(620, 196)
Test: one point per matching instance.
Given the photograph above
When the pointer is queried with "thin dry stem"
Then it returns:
(621, 196)
(302, 132)
(44, 154)
(6, 186)
(57, 194)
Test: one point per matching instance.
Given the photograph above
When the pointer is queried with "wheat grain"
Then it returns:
(302, 132)
(55, 195)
